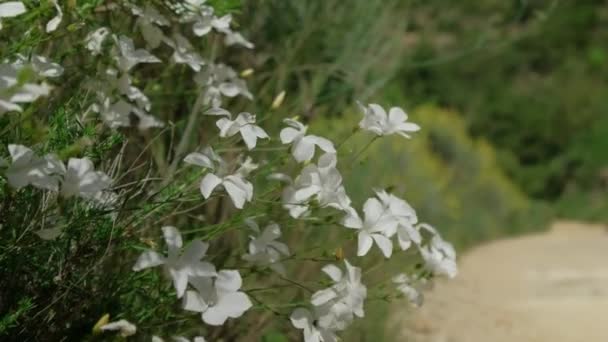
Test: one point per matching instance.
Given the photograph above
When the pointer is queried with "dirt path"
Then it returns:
(549, 287)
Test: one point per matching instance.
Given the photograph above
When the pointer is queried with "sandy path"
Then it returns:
(549, 287)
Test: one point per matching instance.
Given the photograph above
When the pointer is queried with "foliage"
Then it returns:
(534, 75)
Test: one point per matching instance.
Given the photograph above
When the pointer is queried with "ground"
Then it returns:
(548, 287)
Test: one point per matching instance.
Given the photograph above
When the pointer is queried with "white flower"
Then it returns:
(406, 286)
(438, 254)
(117, 114)
(309, 323)
(217, 299)
(148, 22)
(217, 80)
(204, 21)
(54, 23)
(94, 40)
(243, 124)
(129, 56)
(264, 249)
(406, 217)
(44, 67)
(81, 179)
(14, 91)
(237, 187)
(125, 327)
(27, 168)
(235, 38)
(322, 182)
(377, 227)
(180, 267)
(377, 121)
(184, 53)
(341, 301)
(179, 339)
(303, 146)
(11, 9)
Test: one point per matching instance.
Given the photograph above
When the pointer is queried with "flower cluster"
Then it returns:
(311, 186)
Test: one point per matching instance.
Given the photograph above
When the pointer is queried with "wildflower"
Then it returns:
(123, 326)
(438, 254)
(44, 67)
(11, 9)
(179, 339)
(81, 179)
(13, 90)
(243, 124)
(217, 299)
(405, 285)
(149, 18)
(406, 219)
(94, 40)
(129, 57)
(377, 121)
(27, 168)
(309, 324)
(180, 267)
(303, 146)
(235, 38)
(54, 23)
(264, 249)
(184, 53)
(376, 227)
(235, 184)
(217, 80)
(342, 301)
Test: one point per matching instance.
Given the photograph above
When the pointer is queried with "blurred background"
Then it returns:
(510, 95)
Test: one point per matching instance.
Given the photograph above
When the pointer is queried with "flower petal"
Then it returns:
(148, 259)
(385, 245)
(365, 242)
(209, 183)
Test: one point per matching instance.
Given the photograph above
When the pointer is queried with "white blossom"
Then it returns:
(184, 53)
(342, 301)
(149, 18)
(11, 9)
(81, 179)
(235, 38)
(45, 67)
(406, 286)
(94, 40)
(238, 188)
(243, 124)
(376, 227)
(14, 91)
(376, 120)
(322, 182)
(308, 322)
(180, 267)
(217, 299)
(54, 23)
(123, 326)
(217, 80)
(27, 168)
(406, 218)
(264, 249)
(128, 56)
(302, 145)
(179, 339)
(438, 254)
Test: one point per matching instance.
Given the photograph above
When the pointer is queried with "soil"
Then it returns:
(547, 287)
